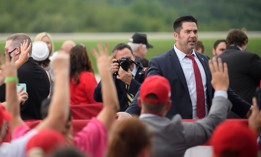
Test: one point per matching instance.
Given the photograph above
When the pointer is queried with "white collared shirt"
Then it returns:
(187, 67)
(134, 70)
(147, 115)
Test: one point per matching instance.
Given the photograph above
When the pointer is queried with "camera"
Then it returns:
(125, 63)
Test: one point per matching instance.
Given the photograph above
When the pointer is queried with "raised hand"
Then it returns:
(114, 66)
(59, 107)
(61, 62)
(109, 94)
(125, 76)
(12, 105)
(254, 121)
(219, 71)
(8, 67)
(102, 57)
(25, 49)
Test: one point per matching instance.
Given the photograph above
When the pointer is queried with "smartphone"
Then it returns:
(20, 86)
(258, 97)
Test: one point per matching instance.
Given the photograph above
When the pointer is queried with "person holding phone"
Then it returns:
(35, 77)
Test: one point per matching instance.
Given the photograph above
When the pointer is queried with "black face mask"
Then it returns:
(10, 53)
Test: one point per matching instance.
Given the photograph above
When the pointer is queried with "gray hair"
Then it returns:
(135, 46)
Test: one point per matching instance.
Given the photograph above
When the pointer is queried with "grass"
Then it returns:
(160, 46)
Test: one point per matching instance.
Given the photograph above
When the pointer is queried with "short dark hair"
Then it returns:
(129, 137)
(216, 43)
(121, 46)
(152, 107)
(68, 152)
(237, 37)
(179, 21)
(199, 45)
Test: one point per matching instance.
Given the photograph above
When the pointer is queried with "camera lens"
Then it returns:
(125, 63)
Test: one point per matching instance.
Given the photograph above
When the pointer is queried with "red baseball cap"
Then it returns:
(234, 137)
(4, 115)
(47, 140)
(157, 85)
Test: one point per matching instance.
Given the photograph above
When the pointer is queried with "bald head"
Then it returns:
(67, 46)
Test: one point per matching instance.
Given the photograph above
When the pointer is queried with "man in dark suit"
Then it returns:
(177, 66)
(172, 136)
(244, 67)
(127, 74)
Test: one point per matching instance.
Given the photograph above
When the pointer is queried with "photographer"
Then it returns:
(127, 74)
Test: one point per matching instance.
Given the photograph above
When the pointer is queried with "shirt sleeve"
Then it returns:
(20, 131)
(220, 93)
(92, 139)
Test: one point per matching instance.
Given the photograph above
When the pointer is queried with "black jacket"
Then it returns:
(244, 70)
(168, 65)
(121, 89)
(38, 88)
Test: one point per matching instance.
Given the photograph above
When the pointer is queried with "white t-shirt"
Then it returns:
(17, 147)
(3, 149)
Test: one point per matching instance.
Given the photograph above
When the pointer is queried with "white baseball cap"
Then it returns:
(40, 51)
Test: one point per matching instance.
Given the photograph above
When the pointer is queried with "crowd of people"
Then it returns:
(144, 102)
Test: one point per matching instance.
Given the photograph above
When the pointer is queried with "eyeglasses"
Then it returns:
(12, 50)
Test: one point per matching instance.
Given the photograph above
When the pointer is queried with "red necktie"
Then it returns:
(200, 90)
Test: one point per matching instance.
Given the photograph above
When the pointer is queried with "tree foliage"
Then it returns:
(125, 15)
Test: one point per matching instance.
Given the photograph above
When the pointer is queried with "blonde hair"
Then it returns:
(40, 36)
